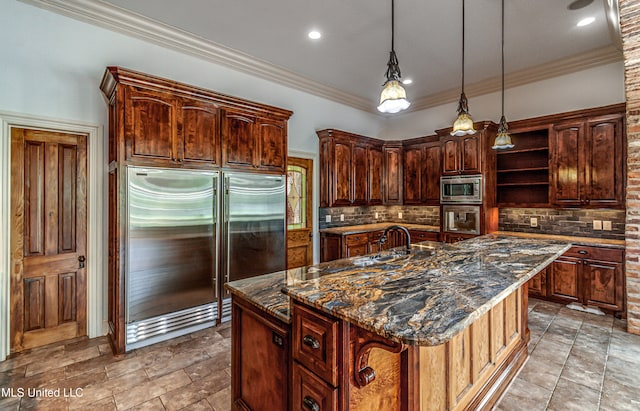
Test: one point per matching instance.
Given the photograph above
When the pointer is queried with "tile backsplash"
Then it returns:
(563, 222)
(428, 215)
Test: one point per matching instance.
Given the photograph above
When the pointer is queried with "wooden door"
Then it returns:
(538, 284)
(200, 136)
(604, 163)
(299, 212)
(392, 175)
(272, 145)
(563, 278)
(48, 237)
(360, 175)
(430, 185)
(150, 126)
(603, 284)
(470, 153)
(451, 156)
(375, 168)
(567, 171)
(238, 141)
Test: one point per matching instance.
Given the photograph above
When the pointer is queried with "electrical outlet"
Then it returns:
(376, 215)
(597, 224)
(400, 215)
(341, 217)
(606, 225)
(533, 221)
(327, 218)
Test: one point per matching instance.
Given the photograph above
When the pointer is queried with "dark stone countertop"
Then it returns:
(423, 298)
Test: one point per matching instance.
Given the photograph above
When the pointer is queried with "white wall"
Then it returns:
(594, 87)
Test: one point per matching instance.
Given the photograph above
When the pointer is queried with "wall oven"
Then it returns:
(461, 189)
(461, 219)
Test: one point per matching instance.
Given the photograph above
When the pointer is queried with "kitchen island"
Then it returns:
(443, 327)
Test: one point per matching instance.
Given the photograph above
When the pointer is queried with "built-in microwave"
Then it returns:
(461, 189)
(461, 219)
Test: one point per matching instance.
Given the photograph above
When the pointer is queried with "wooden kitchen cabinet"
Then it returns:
(587, 162)
(166, 130)
(253, 143)
(422, 173)
(455, 237)
(360, 174)
(393, 174)
(461, 154)
(260, 359)
(588, 275)
(375, 167)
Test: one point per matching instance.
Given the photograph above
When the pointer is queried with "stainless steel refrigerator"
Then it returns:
(188, 232)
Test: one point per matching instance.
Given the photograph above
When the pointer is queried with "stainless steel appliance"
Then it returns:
(188, 231)
(461, 219)
(461, 189)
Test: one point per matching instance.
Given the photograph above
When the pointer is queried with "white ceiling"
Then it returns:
(541, 40)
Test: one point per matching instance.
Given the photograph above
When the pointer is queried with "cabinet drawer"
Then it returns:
(310, 393)
(418, 235)
(315, 342)
(357, 239)
(596, 253)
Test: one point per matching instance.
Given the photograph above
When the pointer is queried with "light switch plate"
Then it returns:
(400, 215)
(606, 225)
(533, 221)
(327, 218)
(341, 217)
(376, 215)
(597, 224)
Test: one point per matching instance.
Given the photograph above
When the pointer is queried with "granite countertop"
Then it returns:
(600, 242)
(364, 228)
(423, 298)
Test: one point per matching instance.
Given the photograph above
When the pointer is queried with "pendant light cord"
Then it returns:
(503, 58)
(463, 46)
(392, 23)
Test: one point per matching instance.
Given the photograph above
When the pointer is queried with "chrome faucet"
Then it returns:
(383, 239)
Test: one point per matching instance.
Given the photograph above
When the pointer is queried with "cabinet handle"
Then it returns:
(582, 252)
(587, 201)
(311, 342)
(310, 404)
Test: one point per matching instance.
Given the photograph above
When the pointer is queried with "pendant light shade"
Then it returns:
(503, 139)
(464, 123)
(393, 97)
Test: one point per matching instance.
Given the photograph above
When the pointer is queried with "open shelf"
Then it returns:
(523, 171)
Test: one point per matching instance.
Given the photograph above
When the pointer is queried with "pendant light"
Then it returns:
(464, 123)
(503, 139)
(393, 97)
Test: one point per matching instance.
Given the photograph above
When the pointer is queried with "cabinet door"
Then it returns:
(603, 284)
(566, 167)
(200, 133)
(393, 178)
(451, 156)
(326, 173)
(341, 173)
(470, 154)
(272, 145)
(454, 238)
(430, 184)
(538, 284)
(413, 166)
(238, 141)
(563, 279)
(150, 125)
(420, 235)
(374, 167)
(360, 175)
(604, 163)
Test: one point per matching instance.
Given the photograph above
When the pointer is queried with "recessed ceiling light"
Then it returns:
(407, 81)
(314, 35)
(586, 21)
(579, 4)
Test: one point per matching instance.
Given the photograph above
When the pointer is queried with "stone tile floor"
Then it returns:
(578, 361)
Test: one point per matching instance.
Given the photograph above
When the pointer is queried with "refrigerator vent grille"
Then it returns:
(226, 310)
(164, 327)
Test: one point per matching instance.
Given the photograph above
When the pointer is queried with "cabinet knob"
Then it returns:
(582, 252)
(310, 404)
(587, 201)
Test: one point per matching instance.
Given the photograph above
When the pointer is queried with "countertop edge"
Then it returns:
(366, 228)
(588, 241)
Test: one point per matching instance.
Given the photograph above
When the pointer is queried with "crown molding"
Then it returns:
(111, 17)
(115, 18)
(540, 72)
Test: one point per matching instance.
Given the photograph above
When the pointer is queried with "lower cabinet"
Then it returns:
(260, 360)
(588, 275)
(455, 237)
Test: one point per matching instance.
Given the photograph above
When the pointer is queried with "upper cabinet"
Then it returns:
(461, 155)
(159, 122)
(350, 169)
(422, 171)
(393, 175)
(587, 162)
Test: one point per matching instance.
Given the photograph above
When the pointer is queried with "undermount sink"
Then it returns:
(377, 258)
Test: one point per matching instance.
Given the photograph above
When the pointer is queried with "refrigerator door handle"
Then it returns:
(227, 232)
